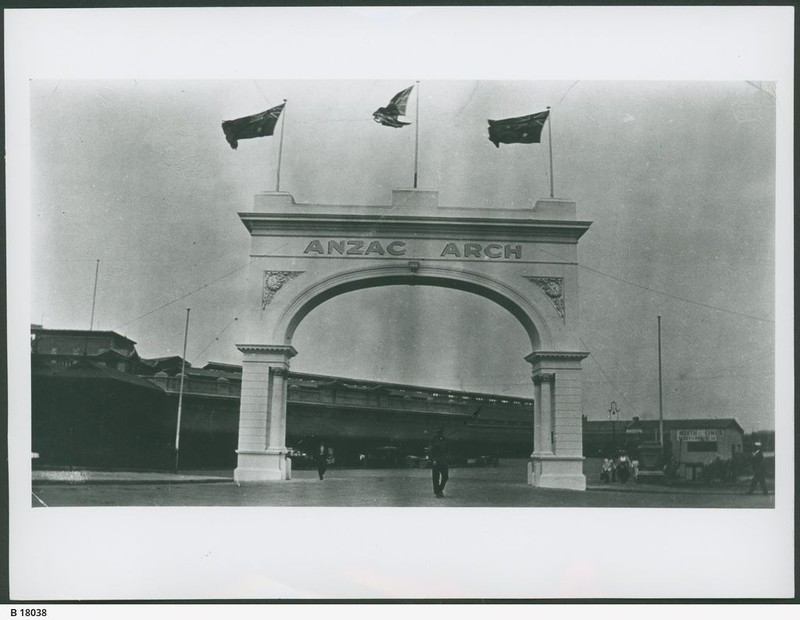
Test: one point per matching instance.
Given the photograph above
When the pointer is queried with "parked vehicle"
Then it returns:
(385, 456)
(483, 461)
(300, 460)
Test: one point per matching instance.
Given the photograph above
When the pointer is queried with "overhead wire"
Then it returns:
(469, 99)
(216, 338)
(623, 280)
(664, 293)
(471, 95)
(542, 160)
(200, 288)
(678, 297)
(617, 389)
(367, 118)
(568, 90)
(768, 88)
(185, 295)
(266, 99)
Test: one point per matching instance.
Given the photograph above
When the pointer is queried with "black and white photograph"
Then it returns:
(281, 306)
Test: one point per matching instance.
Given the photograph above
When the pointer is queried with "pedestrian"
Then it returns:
(439, 455)
(322, 460)
(606, 470)
(635, 469)
(757, 460)
(623, 463)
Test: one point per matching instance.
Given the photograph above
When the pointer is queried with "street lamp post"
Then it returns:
(612, 414)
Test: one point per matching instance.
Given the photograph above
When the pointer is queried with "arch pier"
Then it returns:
(557, 459)
(525, 260)
(262, 413)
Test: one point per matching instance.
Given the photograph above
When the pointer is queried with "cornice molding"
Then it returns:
(285, 350)
(397, 225)
(543, 356)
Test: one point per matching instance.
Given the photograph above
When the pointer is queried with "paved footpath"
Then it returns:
(502, 486)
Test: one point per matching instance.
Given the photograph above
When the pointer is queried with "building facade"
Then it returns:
(692, 445)
(86, 412)
(96, 403)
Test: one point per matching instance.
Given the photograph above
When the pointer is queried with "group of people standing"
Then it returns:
(620, 469)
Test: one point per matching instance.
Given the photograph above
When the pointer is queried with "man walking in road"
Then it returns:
(322, 460)
(439, 455)
(758, 470)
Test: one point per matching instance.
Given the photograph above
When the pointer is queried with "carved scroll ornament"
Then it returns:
(273, 281)
(553, 288)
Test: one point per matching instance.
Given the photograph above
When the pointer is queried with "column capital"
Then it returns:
(543, 377)
(267, 352)
(279, 371)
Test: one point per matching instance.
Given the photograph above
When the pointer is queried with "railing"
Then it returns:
(195, 385)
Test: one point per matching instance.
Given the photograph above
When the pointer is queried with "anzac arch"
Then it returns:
(525, 260)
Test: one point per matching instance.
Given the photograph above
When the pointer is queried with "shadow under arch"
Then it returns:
(328, 288)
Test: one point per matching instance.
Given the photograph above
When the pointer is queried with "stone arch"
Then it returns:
(524, 260)
(531, 318)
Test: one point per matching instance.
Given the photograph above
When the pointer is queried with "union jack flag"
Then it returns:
(388, 116)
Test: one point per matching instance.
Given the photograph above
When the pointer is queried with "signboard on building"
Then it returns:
(700, 434)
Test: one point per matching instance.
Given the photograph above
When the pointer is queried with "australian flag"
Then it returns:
(388, 116)
(519, 130)
(256, 126)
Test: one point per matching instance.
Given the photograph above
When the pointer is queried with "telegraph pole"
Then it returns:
(660, 398)
(550, 144)
(180, 394)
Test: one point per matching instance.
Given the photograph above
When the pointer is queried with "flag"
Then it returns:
(520, 130)
(397, 107)
(256, 126)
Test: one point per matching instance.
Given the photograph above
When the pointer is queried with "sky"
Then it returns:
(677, 178)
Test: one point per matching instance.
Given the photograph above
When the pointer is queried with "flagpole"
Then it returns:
(660, 398)
(280, 147)
(550, 144)
(180, 394)
(94, 295)
(416, 139)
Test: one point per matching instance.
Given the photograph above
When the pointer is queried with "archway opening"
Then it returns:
(437, 282)
(416, 358)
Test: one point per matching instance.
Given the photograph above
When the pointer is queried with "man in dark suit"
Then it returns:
(440, 455)
(758, 470)
(322, 460)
